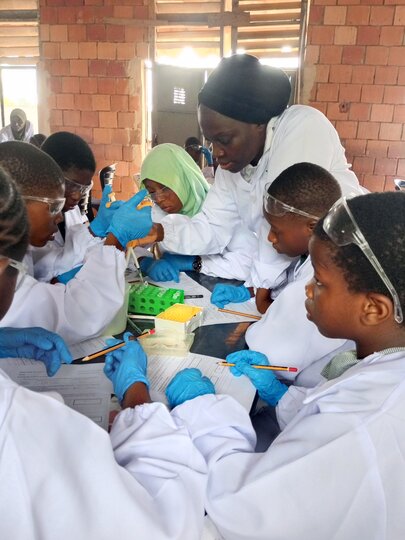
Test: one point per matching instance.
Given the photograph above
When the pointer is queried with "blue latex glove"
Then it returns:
(224, 294)
(36, 344)
(126, 366)
(102, 221)
(208, 156)
(67, 276)
(270, 389)
(128, 223)
(159, 270)
(182, 263)
(188, 384)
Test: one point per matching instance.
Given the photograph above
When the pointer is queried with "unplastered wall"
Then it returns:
(354, 73)
(91, 79)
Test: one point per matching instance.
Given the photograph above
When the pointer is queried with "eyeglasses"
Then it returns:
(277, 208)
(342, 229)
(74, 187)
(22, 269)
(160, 193)
(196, 147)
(55, 205)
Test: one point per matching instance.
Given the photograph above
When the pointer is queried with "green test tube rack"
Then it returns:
(151, 300)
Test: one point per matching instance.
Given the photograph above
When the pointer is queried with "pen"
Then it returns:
(118, 346)
(256, 366)
(187, 296)
(240, 313)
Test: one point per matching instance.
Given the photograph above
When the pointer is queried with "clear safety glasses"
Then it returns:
(162, 193)
(55, 205)
(74, 187)
(277, 208)
(342, 229)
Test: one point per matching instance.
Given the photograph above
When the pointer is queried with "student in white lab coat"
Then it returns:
(243, 112)
(337, 470)
(89, 301)
(63, 256)
(61, 476)
(177, 186)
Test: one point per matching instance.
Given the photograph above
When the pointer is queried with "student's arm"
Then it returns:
(263, 300)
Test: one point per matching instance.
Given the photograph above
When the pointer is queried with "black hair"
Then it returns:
(37, 139)
(34, 172)
(69, 150)
(381, 218)
(307, 187)
(13, 219)
(192, 141)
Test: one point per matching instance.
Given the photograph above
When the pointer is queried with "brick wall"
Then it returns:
(91, 79)
(355, 73)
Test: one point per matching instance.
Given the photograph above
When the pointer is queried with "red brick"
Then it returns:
(56, 117)
(77, 32)
(85, 133)
(98, 68)
(359, 111)
(399, 113)
(67, 15)
(401, 76)
(350, 92)
(88, 50)
(374, 182)
(96, 32)
(69, 50)
(330, 54)
(115, 33)
(345, 35)
(79, 68)
(51, 50)
(48, 15)
(392, 35)
(386, 75)
(316, 15)
(348, 2)
(363, 164)
(327, 92)
(399, 18)
(43, 33)
(58, 32)
(368, 35)
(382, 15)
(83, 102)
(125, 51)
(121, 136)
(396, 149)
(353, 54)
(71, 118)
(116, 69)
(88, 85)
(394, 94)
(357, 15)
(107, 119)
(102, 135)
(133, 34)
(322, 35)
(119, 103)
(134, 103)
(65, 101)
(123, 12)
(122, 86)
(107, 86)
(382, 113)
(60, 67)
(347, 129)
(396, 56)
(107, 51)
(333, 112)
(101, 103)
(89, 118)
(129, 153)
(363, 74)
(372, 2)
(113, 152)
(390, 132)
(89, 15)
(368, 130)
(55, 84)
(142, 12)
(385, 166)
(355, 147)
(377, 149)
(401, 167)
(126, 120)
(377, 55)
(312, 54)
(333, 15)
(70, 85)
(122, 168)
(372, 93)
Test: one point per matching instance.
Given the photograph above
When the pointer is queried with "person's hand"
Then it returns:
(182, 263)
(126, 366)
(35, 344)
(159, 270)
(188, 384)
(99, 225)
(270, 389)
(208, 156)
(224, 294)
(67, 276)
(129, 223)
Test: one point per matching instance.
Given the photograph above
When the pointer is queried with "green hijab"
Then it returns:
(173, 167)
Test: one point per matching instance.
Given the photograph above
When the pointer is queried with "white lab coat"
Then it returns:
(6, 134)
(64, 478)
(300, 134)
(59, 255)
(79, 310)
(286, 336)
(336, 472)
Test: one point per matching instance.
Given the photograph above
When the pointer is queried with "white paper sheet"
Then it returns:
(90, 346)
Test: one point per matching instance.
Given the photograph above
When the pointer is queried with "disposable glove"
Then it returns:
(101, 222)
(270, 389)
(159, 270)
(182, 263)
(126, 366)
(224, 294)
(36, 344)
(128, 223)
(67, 276)
(208, 156)
(188, 384)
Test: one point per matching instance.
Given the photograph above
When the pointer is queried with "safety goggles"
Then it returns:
(74, 187)
(277, 208)
(160, 193)
(342, 229)
(55, 205)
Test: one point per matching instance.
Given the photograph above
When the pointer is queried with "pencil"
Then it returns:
(256, 366)
(118, 346)
(257, 317)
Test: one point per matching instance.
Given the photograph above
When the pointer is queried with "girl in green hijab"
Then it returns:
(173, 179)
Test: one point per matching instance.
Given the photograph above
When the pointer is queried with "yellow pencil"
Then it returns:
(257, 317)
(118, 346)
(257, 366)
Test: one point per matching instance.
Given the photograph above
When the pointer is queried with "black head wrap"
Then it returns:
(241, 88)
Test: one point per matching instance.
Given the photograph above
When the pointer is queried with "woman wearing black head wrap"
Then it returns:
(243, 112)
